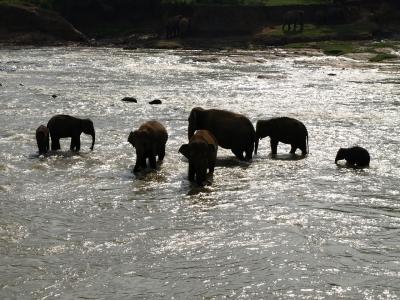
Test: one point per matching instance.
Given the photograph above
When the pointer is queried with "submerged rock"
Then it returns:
(129, 99)
(156, 101)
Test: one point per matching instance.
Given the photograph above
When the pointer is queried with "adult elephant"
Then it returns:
(285, 130)
(201, 153)
(42, 139)
(177, 26)
(354, 156)
(293, 17)
(232, 131)
(149, 141)
(64, 126)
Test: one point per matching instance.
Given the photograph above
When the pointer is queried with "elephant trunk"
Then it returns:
(93, 140)
(191, 130)
(338, 157)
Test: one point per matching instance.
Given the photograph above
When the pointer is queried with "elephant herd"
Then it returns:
(208, 129)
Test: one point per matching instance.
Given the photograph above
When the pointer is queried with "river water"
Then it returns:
(84, 226)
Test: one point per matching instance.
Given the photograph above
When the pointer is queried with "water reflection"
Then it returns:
(281, 227)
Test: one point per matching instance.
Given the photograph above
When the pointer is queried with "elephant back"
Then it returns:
(156, 129)
(231, 130)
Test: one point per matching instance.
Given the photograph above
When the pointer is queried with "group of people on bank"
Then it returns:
(207, 130)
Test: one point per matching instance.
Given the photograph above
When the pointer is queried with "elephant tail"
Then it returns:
(256, 140)
(308, 149)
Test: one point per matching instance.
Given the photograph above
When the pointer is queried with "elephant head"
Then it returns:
(199, 155)
(42, 139)
(341, 154)
(195, 121)
(263, 129)
(141, 141)
(88, 128)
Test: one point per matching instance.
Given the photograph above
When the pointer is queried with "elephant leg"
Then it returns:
(75, 144)
(303, 148)
(143, 163)
(153, 162)
(211, 166)
(55, 144)
(137, 166)
(140, 164)
(274, 146)
(293, 149)
(161, 153)
(191, 172)
(249, 152)
(238, 154)
(47, 144)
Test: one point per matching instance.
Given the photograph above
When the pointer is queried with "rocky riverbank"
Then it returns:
(30, 25)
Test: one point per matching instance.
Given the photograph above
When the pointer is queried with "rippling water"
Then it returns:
(83, 226)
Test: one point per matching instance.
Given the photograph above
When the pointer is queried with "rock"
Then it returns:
(156, 101)
(331, 74)
(21, 84)
(30, 24)
(129, 99)
(54, 96)
(262, 77)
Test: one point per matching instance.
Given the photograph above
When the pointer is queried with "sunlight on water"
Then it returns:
(83, 225)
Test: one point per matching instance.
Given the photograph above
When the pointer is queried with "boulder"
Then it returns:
(25, 23)
(129, 99)
(155, 101)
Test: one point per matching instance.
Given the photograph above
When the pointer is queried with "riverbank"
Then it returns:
(335, 30)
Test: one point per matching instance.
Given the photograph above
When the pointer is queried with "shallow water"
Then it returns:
(83, 226)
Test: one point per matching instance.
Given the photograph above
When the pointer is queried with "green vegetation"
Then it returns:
(54, 3)
(382, 56)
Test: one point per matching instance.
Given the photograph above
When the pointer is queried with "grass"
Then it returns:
(382, 56)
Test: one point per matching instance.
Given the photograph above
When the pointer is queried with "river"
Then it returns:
(84, 226)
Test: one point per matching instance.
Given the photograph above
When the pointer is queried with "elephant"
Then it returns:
(354, 156)
(63, 126)
(202, 154)
(177, 26)
(295, 17)
(149, 141)
(42, 139)
(232, 131)
(285, 130)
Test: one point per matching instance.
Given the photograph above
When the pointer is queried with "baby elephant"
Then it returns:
(149, 141)
(42, 139)
(285, 130)
(64, 126)
(202, 153)
(355, 156)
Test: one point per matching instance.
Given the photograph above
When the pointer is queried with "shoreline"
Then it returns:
(371, 50)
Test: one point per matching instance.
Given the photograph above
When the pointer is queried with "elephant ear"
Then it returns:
(132, 138)
(184, 149)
